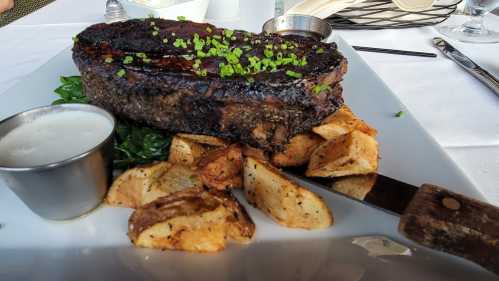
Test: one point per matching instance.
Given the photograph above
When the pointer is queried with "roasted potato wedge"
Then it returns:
(257, 153)
(298, 151)
(282, 199)
(355, 186)
(222, 168)
(178, 177)
(204, 139)
(141, 185)
(185, 151)
(191, 220)
(128, 188)
(354, 153)
(343, 121)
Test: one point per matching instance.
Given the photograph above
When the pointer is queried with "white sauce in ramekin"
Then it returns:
(53, 137)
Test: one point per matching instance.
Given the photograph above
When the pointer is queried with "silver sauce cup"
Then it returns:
(65, 189)
(302, 25)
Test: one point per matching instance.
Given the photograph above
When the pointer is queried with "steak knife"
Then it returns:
(481, 74)
(434, 217)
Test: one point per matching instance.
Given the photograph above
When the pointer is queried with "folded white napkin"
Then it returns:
(325, 8)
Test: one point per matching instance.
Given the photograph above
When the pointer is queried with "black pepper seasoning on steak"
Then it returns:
(195, 78)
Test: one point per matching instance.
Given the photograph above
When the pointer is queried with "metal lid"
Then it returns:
(302, 25)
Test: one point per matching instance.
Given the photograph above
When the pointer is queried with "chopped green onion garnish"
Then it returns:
(212, 52)
(226, 70)
(268, 53)
(303, 61)
(180, 43)
(255, 63)
(269, 64)
(165, 40)
(108, 60)
(319, 51)
(232, 58)
(238, 52)
(181, 18)
(294, 74)
(121, 72)
(155, 33)
(239, 69)
(128, 60)
(399, 114)
(201, 54)
(228, 33)
(196, 64)
(319, 88)
(75, 39)
(152, 23)
(202, 72)
(198, 43)
(141, 55)
(209, 30)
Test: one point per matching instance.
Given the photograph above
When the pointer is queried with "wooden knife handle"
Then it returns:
(453, 223)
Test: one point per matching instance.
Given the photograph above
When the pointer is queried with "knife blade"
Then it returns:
(433, 216)
(481, 74)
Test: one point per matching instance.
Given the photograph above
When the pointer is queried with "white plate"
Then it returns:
(96, 247)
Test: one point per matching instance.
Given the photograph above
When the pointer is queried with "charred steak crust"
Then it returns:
(141, 73)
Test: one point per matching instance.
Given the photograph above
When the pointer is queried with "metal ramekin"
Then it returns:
(302, 25)
(65, 189)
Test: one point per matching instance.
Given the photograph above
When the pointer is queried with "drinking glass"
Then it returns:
(473, 30)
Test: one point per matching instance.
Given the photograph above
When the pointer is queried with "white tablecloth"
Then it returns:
(457, 110)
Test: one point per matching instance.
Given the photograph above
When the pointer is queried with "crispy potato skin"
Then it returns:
(354, 153)
(222, 168)
(298, 151)
(143, 184)
(343, 121)
(191, 220)
(128, 188)
(184, 151)
(282, 199)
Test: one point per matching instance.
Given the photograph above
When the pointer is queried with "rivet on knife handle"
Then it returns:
(453, 223)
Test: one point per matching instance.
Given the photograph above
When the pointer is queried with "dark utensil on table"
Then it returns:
(394, 52)
(319, 29)
(474, 69)
(434, 217)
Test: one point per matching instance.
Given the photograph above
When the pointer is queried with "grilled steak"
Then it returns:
(189, 77)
